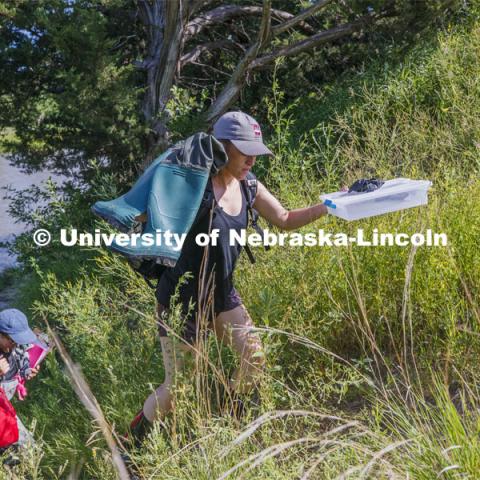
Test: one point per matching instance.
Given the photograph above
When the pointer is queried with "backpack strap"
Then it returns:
(207, 203)
(250, 186)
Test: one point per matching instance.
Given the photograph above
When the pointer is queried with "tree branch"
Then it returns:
(308, 43)
(194, 54)
(300, 17)
(227, 12)
(234, 85)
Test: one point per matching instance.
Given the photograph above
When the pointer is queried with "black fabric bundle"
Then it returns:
(365, 185)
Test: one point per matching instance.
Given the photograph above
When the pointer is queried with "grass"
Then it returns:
(372, 353)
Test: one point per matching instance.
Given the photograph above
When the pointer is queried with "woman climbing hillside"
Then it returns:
(242, 139)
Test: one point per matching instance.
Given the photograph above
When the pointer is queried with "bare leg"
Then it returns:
(160, 402)
(233, 328)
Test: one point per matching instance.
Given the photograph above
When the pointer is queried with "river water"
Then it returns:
(12, 176)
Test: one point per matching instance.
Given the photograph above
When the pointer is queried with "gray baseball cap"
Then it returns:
(243, 131)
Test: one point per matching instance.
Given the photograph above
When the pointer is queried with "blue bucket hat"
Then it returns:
(15, 324)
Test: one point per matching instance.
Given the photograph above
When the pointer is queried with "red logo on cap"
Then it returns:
(256, 129)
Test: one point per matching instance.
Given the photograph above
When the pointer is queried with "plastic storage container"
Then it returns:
(393, 195)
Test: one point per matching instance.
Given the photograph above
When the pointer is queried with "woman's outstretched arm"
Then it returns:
(274, 212)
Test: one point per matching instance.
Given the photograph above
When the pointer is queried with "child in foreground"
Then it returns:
(15, 339)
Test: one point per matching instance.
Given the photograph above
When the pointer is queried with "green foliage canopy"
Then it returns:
(71, 91)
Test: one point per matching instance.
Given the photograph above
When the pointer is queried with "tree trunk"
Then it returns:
(165, 21)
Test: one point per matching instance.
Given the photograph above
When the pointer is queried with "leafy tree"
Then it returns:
(68, 86)
(85, 81)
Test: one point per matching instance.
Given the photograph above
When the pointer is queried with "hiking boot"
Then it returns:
(139, 429)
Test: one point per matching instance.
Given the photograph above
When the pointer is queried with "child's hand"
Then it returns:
(33, 373)
(4, 366)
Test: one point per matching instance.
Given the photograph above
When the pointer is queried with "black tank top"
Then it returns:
(222, 259)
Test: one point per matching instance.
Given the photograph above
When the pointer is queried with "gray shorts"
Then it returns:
(190, 329)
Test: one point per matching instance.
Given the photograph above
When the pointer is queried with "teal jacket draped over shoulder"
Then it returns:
(170, 191)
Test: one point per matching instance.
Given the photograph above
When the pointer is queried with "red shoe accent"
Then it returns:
(137, 419)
